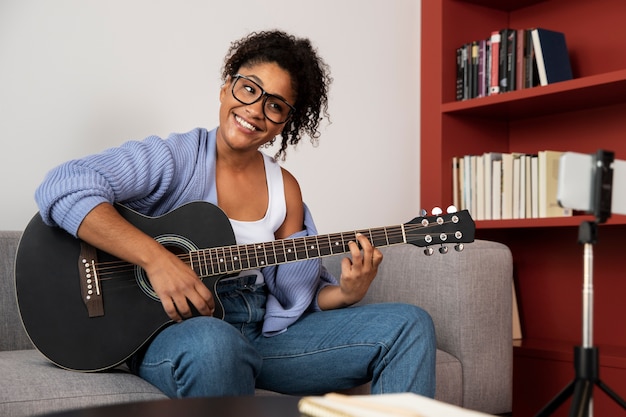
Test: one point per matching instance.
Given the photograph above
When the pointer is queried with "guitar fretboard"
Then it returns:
(236, 258)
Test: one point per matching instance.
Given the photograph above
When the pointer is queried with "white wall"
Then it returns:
(78, 76)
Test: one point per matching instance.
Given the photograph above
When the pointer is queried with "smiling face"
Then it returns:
(244, 127)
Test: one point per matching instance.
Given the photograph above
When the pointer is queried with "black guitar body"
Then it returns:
(49, 292)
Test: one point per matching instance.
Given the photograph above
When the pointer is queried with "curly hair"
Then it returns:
(309, 73)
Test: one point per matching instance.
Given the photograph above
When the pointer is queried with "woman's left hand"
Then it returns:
(357, 273)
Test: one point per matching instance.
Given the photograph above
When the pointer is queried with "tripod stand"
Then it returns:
(586, 357)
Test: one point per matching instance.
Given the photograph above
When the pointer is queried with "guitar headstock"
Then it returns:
(441, 229)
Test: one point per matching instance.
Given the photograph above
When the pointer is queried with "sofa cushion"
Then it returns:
(12, 332)
(38, 386)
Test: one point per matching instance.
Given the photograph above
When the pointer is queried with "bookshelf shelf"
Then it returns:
(573, 221)
(581, 115)
(506, 5)
(577, 94)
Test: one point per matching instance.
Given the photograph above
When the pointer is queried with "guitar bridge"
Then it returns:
(89, 280)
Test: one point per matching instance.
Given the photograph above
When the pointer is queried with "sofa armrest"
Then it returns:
(468, 294)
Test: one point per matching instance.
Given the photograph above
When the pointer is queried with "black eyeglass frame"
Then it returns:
(264, 95)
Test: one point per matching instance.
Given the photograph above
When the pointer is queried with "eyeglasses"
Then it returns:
(246, 91)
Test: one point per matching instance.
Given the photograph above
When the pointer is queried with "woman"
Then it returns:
(285, 327)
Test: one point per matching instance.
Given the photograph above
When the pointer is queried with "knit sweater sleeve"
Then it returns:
(293, 287)
(146, 174)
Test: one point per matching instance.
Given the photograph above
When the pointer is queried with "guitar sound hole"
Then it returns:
(178, 245)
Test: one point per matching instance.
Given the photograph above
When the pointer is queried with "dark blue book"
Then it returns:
(551, 55)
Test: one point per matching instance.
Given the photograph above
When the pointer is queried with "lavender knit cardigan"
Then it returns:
(154, 176)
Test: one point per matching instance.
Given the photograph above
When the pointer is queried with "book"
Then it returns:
(517, 323)
(534, 187)
(517, 189)
(381, 405)
(456, 190)
(519, 59)
(531, 79)
(479, 185)
(503, 56)
(494, 53)
(508, 183)
(489, 159)
(511, 58)
(483, 49)
(460, 69)
(551, 55)
(548, 166)
(496, 189)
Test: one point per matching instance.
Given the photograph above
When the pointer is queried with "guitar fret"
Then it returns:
(271, 256)
(335, 241)
(220, 260)
(312, 246)
(203, 267)
(325, 248)
(280, 252)
(252, 260)
(290, 250)
(236, 258)
(263, 258)
(245, 258)
(379, 237)
(214, 264)
(398, 235)
(300, 248)
(195, 268)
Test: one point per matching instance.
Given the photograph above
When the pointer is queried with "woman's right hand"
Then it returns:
(173, 281)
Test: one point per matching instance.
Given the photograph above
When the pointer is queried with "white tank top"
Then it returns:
(263, 230)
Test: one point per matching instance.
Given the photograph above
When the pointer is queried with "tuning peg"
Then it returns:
(443, 250)
(437, 211)
(429, 251)
(459, 247)
(423, 213)
(451, 209)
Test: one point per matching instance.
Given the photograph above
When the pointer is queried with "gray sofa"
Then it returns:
(468, 294)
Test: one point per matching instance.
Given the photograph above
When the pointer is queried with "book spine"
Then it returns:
(459, 73)
(502, 62)
(541, 67)
(494, 86)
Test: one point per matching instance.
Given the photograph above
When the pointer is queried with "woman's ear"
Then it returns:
(225, 87)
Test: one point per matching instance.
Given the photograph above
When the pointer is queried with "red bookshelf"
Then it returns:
(583, 115)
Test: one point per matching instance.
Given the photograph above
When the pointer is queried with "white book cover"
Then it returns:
(517, 187)
(479, 185)
(528, 190)
(456, 193)
(534, 187)
(507, 186)
(488, 160)
(496, 191)
(473, 190)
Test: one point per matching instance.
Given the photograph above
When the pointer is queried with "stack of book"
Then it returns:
(511, 59)
(495, 186)
(382, 405)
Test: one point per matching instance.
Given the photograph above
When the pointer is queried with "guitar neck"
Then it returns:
(236, 258)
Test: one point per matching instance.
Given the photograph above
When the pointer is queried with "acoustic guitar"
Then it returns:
(86, 310)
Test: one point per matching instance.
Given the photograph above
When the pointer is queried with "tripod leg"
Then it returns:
(556, 402)
(611, 394)
(581, 399)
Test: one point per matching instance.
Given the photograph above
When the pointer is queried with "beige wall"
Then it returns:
(78, 76)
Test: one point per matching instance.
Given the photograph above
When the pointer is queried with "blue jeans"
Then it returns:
(392, 345)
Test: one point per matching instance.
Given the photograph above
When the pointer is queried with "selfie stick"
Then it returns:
(586, 357)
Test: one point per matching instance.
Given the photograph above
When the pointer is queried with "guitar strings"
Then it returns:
(112, 269)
